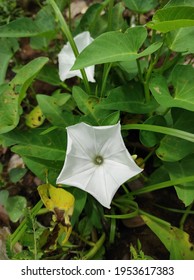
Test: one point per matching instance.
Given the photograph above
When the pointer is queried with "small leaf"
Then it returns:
(16, 174)
(140, 6)
(181, 169)
(148, 138)
(183, 83)
(53, 112)
(173, 148)
(89, 105)
(181, 40)
(172, 18)
(4, 194)
(7, 49)
(15, 207)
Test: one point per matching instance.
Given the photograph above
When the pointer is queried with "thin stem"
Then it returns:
(139, 71)
(67, 33)
(148, 75)
(110, 13)
(190, 212)
(125, 188)
(163, 185)
(185, 215)
(148, 156)
(96, 247)
(106, 71)
(161, 129)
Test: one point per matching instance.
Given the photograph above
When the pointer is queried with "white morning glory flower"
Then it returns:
(97, 161)
(66, 58)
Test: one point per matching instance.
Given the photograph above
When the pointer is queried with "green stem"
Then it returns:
(112, 228)
(148, 75)
(110, 13)
(106, 71)
(139, 71)
(163, 185)
(161, 129)
(190, 212)
(16, 235)
(96, 247)
(66, 31)
(185, 215)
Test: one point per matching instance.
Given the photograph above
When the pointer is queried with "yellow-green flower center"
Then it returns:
(98, 160)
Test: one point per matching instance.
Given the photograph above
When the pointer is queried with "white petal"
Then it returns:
(66, 58)
(102, 186)
(83, 142)
(102, 181)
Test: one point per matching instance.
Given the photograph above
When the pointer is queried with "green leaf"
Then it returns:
(129, 99)
(44, 20)
(29, 70)
(4, 194)
(148, 138)
(175, 240)
(12, 94)
(15, 207)
(175, 3)
(53, 112)
(9, 108)
(23, 27)
(174, 148)
(181, 40)
(80, 201)
(171, 18)
(111, 119)
(8, 46)
(182, 169)
(115, 46)
(89, 105)
(49, 74)
(140, 6)
(33, 143)
(44, 169)
(46, 146)
(93, 21)
(183, 83)
(16, 174)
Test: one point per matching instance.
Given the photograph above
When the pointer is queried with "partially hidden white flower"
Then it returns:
(66, 58)
(97, 161)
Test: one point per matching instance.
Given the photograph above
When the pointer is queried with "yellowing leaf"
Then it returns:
(58, 201)
(35, 118)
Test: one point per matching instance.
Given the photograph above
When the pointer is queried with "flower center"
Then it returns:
(98, 160)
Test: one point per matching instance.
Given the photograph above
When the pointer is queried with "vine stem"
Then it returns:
(65, 29)
(163, 185)
(15, 236)
(161, 129)
(148, 75)
(95, 248)
(185, 215)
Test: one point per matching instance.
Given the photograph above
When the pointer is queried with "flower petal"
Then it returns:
(85, 142)
(66, 58)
